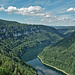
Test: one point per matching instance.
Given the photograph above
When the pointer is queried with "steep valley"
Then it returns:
(17, 39)
(61, 55)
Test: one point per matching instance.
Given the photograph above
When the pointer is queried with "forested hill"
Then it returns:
(61, 54)
(10, 65)
(18, 38)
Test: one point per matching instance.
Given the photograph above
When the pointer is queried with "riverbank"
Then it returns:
(53, 66)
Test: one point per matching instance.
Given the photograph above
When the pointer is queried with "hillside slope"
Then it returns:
(16, 39)
(19, 38)
(10, 65)
(61, 54)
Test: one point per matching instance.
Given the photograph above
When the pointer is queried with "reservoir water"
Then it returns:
(42, 69)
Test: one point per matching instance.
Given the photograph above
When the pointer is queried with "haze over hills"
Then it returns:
(66, 30)
(61, 54)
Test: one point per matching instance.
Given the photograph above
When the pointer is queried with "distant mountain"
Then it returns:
(66, 30)
(19, 38)
(61, 54)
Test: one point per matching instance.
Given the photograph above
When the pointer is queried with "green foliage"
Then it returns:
(61, 54)
(14, 66)
(17, 38)
(4, 71)
(0, 62)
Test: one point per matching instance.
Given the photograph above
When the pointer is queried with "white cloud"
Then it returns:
(42, 20)
(25, 19)
(58, 20)
(73, 20)
(47, 16)
(64, 19)
(70, 9)
(2, 9)
(35, 9)
(30, 11)
(40, 14)
(11, 9)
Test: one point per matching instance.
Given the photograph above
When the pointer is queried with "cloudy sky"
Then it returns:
(46, 12)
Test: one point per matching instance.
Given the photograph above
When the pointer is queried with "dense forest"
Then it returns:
(16, 39)
(10, 65)
(61, 54)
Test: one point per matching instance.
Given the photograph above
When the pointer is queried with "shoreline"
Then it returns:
(53, 66)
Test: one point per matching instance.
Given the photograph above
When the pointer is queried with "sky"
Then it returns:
(40, 12)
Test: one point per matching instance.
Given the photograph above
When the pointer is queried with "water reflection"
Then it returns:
(42, 70)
